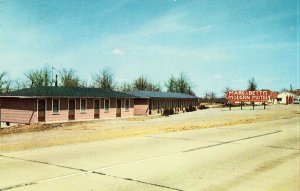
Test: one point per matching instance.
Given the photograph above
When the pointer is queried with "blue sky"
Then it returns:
(216, 43)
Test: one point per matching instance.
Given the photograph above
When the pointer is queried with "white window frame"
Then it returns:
(58, 106)
(83, 111)
(127, 109)
(106, 110)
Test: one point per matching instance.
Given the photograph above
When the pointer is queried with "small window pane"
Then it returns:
(97, 105)
(127, 102)
(106, 104)
(55, 106)
(83, 105)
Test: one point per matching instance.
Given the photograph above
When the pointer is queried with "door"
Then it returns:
(41, 110)
(150, 107)
(158, 106)
(96, 109)
(71, 109)
(119, 105)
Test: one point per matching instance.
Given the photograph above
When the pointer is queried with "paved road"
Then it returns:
(263, 156)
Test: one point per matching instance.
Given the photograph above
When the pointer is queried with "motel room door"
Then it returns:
(41, 110)
(150, 106)
(96, 109)
(119, 106)
(71, 109)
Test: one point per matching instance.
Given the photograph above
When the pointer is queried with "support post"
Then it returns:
(230, 106)
(241, 105)
(253, 105)
(264, 105)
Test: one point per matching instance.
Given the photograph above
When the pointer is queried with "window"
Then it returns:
(96, 104)
(127, 104)
(106, 105)
(55, 106)
(83, 105)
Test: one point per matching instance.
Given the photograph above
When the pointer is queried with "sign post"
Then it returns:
(247, 96)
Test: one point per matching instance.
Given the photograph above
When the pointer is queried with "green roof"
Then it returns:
(157, 94)
(51, 91)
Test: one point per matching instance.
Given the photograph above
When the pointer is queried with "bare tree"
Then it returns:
(252, 85)
(125, 87)
(38, 78)
(69, 78)
(153, 87)
(6, 85)
(212, 97)
(180, 84)
(19, 84)
(171, 84)
(141, 83)
(206, 96)
(104, 79)
(2, 81)
(226, 90)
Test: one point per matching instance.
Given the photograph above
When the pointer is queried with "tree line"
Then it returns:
(104, 79)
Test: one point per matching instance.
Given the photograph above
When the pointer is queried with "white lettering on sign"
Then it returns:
(247, 96)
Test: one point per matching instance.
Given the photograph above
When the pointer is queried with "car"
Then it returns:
(296, 101)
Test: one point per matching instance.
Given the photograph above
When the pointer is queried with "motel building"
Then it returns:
(62, 104)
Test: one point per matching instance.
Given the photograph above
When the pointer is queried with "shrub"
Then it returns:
(202, 107)
(168, 111)
(171, 111)
(191, 108)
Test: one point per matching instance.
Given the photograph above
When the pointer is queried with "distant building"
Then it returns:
(286, 98)
(153, 102)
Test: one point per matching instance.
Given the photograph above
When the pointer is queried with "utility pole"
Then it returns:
(56, 80)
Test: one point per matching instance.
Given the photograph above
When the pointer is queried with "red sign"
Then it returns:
(247, 96)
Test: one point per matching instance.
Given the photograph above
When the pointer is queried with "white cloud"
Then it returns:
(117, 52)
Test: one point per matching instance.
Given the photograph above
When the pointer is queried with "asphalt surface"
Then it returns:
(260, 156)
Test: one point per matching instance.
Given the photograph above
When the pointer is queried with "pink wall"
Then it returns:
(63, 111)
(18, 110)
(141, 107)
(129, 112)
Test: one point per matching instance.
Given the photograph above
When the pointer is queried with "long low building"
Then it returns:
(61, 104)
(153, 102)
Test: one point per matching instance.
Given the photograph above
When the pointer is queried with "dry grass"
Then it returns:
(45, 135)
